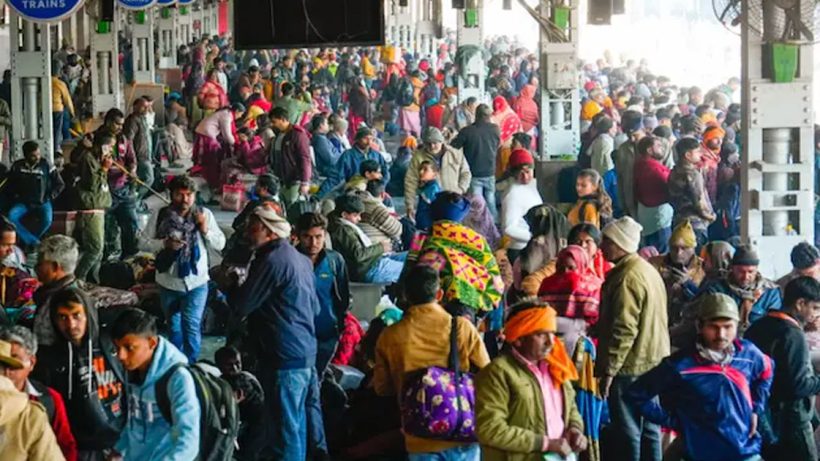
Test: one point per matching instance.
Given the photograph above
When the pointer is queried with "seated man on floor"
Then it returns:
(32, 184)
(367, 262)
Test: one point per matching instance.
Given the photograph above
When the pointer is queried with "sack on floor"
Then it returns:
(219, 417)
(119, 275)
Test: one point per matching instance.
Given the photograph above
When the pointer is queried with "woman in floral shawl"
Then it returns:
(470, 276)
(506, 119)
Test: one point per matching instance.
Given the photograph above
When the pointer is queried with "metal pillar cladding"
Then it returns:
(198, 13)
(185, 25)
(30, 87)
(167, 39)
(401, 26)
(106, 91)
(208, 27)
(213, 13)
(469, 32)
(560, 129)
(142, 42)
(777, 177)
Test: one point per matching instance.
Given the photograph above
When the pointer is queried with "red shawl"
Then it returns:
(505, 118)
(574, 294)
(526, 108)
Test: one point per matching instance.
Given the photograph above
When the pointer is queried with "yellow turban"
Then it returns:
(685, 235)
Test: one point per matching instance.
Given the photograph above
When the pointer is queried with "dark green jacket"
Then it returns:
(510, 411)
(359, 258)
(92, 188)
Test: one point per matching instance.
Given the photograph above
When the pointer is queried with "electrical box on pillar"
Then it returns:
(107, 10)
(459, 4)
(777, 175)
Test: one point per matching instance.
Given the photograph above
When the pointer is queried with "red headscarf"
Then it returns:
(575, 294)
(505, 118)
(526, 109)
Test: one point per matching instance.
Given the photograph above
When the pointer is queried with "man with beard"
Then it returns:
(713, 392)
(681, 270)
(754, 294)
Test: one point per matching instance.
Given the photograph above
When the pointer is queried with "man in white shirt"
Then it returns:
(181, 234)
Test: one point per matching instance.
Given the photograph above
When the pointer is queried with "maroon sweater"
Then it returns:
(651, 177)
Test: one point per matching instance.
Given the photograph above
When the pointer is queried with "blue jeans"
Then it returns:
(57, 131)
(629, 436)
(387, 269)
(659, 240)
(486, 188)
(43, 217)
(288, 394)
(183, 310)
(463, 453)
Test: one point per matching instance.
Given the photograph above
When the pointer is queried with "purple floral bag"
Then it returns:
(438, 403)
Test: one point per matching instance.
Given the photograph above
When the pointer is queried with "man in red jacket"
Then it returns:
(652, 194)
(24, 348)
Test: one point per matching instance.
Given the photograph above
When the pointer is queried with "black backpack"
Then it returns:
(407, 94)
(219, 419)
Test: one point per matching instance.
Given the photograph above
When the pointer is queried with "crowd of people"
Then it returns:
(626, 321)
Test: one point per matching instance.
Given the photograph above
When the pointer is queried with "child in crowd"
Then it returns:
(251, 398)
(251, 153)
(429, 188)
(594, 205)
(147, 357)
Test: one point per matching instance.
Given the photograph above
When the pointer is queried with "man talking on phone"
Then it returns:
(181, 234)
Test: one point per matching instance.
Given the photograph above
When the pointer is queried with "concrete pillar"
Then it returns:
(560, 102)
(142, 42)
(106, 90)
(777, 177)
(30, 87)
(185, 24)
(167, 39)
(471, 34)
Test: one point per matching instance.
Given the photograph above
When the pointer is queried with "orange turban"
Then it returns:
(537, 319)
(530, 321)
(713, 133)
(410, 142)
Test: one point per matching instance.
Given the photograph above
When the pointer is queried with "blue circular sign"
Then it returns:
(136, 4)
(45, 10)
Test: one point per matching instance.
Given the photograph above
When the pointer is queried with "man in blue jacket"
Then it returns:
(754, 294)
(332, 285)
(351, 160)
(147, 357)
(713, 392)
(279, 300)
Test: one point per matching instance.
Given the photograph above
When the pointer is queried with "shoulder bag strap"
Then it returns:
(454, 360)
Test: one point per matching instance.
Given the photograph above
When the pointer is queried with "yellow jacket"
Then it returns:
(60, 97)
(27, 434)
(421, 340)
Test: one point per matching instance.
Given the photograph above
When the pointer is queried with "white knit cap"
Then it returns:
(626, 233)
(277, 224)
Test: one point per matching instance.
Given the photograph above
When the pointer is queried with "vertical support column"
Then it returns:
(559, 128)
(30, 87)
(83, 37)
(142, 42)
(214, 15)
(185, 25)
(106, 91)
(470, 34)
(167, 39)
(777, 176)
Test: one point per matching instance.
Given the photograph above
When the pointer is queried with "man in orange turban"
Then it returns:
(535, 370)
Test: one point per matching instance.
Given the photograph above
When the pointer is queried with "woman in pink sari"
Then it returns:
(506, 119)
(214, 137)
(212, 96)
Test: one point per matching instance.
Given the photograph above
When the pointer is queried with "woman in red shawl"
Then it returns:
(505, 118)
(526, 109)
(212, 96)
(588, 237)
(574, 292)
